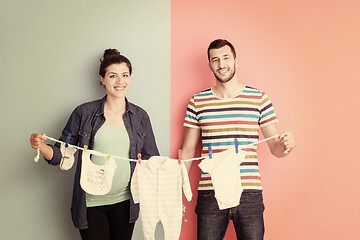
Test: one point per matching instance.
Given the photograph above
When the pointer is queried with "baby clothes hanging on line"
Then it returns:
(36, 158)
(68, 158)
(96, 179)
(92, 168)
(157, 185)
(224, 168)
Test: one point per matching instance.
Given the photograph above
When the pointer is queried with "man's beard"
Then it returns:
(225, 80)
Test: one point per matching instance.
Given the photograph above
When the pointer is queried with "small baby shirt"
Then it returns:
(96, 179)
(157, 185)
(224, 168)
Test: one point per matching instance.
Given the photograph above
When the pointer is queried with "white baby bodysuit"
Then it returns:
(157, 185)
(67, 159)
(224, 168)
(96, 179)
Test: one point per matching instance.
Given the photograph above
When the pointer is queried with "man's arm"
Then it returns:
(278, 145)
(190, 141)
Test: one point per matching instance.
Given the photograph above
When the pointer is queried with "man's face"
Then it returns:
(222, 63)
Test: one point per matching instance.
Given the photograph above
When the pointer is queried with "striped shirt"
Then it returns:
(223, 120)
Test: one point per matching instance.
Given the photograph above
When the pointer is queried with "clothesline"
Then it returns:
(36, 159)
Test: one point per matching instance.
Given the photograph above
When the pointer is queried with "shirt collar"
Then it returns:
(156, 162)
(129, 106)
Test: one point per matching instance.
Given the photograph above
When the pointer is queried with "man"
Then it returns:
(220, 114)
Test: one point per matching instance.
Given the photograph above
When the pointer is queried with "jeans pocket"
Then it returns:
(252, 202)
(206, 201)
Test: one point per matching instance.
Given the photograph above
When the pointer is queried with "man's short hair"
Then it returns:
(219, 43)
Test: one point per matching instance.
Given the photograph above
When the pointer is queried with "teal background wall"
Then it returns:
(50, 55)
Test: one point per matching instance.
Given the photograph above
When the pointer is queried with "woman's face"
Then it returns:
(117, 80)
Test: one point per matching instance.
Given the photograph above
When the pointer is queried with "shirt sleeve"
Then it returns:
(191, 119)
(186, 183)
(267, 112)
(72, 127)
(206, 165)
(134, 186)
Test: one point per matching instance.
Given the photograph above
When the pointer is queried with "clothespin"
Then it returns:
(236, 146)
(67, 140)
(184, 213)
(210, 152)
(107, 159)
(85, 148)
(139, 158)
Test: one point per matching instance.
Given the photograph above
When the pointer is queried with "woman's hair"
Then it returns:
(112, 56)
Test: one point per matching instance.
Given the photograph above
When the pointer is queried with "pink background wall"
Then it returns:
(306, 56)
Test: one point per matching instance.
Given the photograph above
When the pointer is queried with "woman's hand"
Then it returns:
(37, 142)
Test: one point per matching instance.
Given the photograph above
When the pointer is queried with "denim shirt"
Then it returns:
(83, 124)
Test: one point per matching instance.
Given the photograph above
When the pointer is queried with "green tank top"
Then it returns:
(114, 141)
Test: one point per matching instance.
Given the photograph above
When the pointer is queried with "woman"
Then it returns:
(109, 125)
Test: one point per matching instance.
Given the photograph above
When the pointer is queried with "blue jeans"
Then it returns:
(247, 217)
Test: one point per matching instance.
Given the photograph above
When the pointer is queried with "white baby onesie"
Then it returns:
(224, 168)
(157, 185)
(96, 179)
(67, 159)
